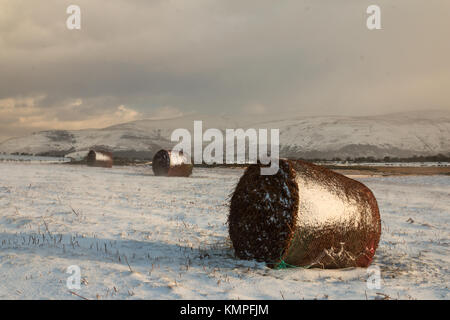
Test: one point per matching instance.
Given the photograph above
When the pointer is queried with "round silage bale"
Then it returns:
(99, 158)
(171, 164)
(305, 216)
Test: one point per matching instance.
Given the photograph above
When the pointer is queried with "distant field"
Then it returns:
(391, 170)
(381, 169)
(353, 169)
(31, 159)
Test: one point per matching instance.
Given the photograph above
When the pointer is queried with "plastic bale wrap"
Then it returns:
(304, 216)
(99, 159)
(171, 164)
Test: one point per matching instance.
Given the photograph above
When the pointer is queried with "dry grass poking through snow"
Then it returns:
(137, 236)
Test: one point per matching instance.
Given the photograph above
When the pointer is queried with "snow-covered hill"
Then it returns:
(399, 135)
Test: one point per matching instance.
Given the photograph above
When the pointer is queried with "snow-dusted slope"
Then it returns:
(402, 134)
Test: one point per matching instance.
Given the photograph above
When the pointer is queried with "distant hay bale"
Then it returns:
(96, 158)
(305, 216)
(171, 164)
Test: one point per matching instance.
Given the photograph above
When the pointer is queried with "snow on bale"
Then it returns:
(97, 158)
(304, 216)
(171, 164)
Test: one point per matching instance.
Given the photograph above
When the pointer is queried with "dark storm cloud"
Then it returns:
(308, 57)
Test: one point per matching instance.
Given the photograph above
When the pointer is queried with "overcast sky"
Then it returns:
(144, 58)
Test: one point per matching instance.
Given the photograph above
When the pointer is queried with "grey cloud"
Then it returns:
(307, 57)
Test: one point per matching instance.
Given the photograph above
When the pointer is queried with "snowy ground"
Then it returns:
(32, 159)
(137, 236)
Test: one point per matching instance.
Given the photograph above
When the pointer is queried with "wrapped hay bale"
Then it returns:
(99, 159)
(305, 215)
(171, 164)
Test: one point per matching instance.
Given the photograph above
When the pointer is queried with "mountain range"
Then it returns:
(324, 137)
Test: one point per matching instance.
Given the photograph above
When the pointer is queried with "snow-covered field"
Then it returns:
(32, 159)
(137, 236)
(385, 164)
